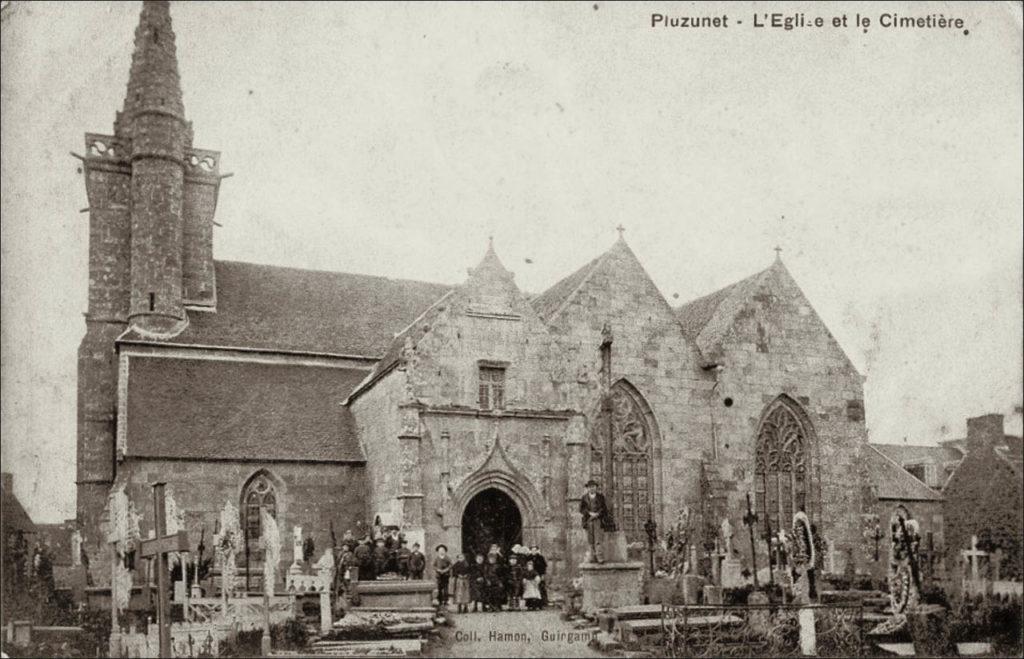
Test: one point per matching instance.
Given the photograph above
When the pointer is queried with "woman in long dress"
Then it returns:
(531, 587)
(461, 573)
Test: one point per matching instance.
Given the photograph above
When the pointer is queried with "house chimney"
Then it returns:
(985, 432)
(7, 483)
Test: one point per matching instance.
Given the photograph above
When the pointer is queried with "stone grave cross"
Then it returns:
(973, 555)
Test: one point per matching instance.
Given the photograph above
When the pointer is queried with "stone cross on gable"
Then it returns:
(973, 555)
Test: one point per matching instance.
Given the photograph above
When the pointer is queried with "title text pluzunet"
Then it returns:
(791, 21)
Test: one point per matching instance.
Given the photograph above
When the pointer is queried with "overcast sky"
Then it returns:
(394, 139)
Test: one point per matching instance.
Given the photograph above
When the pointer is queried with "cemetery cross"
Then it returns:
(159, 547)
(750, 520)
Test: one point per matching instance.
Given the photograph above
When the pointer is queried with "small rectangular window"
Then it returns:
(492, 388)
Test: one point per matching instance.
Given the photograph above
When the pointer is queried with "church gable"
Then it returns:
(615, 282)
(766, 314)
(487, 323)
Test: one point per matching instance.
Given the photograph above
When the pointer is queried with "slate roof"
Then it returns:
(706, 319)
(214, 409)
(287, 309)
(12, 514)
(915, 453)
(548, 302)
(891, 481)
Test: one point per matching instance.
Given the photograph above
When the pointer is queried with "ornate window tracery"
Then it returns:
(259, 494)
(782, 468)
(632, 463)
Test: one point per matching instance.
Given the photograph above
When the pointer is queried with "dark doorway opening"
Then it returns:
(491, 517)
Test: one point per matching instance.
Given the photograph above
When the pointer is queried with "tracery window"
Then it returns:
(259, 493)
(632, 463)
(782, 469)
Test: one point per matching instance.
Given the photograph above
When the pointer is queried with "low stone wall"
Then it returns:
(395, 594)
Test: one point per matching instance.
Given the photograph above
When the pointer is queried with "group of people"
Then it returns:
(388, 553)
(492, 582)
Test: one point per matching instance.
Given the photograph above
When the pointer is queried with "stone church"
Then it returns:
(465, 414)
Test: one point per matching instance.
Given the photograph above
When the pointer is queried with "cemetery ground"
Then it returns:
(513, 634)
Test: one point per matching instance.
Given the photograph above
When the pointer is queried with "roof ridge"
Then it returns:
(904, 471)
(336, 272)
(594, 264)
(724, 288)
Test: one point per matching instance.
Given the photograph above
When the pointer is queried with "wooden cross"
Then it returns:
(621, 229)
(973, 554)
(159, 547)
(750, 520)
(778, 253)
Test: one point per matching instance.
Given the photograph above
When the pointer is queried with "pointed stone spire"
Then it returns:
(154, 86)
(153, 121)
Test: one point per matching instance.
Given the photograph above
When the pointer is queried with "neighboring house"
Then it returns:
(894, 489)
(14, 519)
(983, 496)
(933, 465)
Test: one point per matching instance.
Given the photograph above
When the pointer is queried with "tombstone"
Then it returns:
(692, 586)
(808, 635)
(296, 550)
(727, 533)
(759, 620)
(22, 632)
(179, 591)
(713, 595)
(996, 564)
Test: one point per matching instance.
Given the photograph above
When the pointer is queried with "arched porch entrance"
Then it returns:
(491, 517)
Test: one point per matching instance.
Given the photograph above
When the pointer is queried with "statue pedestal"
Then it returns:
(731, 575)
(610, 585)
(615, 546)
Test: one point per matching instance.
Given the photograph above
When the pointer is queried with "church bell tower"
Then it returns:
(152, 198)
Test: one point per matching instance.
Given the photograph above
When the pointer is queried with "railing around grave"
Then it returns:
(760, 630)
(243, 612)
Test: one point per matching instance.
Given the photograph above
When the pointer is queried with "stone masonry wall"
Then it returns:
(309, 495)
(377, 422)
(651, 353)
(777, 345)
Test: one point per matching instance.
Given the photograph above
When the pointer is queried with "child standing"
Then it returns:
(442, 571)
(515, 582)
(417, 562)
(461, 573)
(476, 583)
(493, 591)
(531, 587)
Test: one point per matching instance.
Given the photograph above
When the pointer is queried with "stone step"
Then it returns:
(388, 648)
(630, 630)
(637, 611)
(391, 609)
(409, 628)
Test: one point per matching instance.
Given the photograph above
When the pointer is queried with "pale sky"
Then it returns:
(394, 139)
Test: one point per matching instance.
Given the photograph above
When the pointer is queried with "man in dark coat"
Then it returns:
(417, 562)
(364, 558)
(596, 520)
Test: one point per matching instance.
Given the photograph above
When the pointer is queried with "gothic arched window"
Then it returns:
(258, 494)
(632, 464)
(782, 468)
